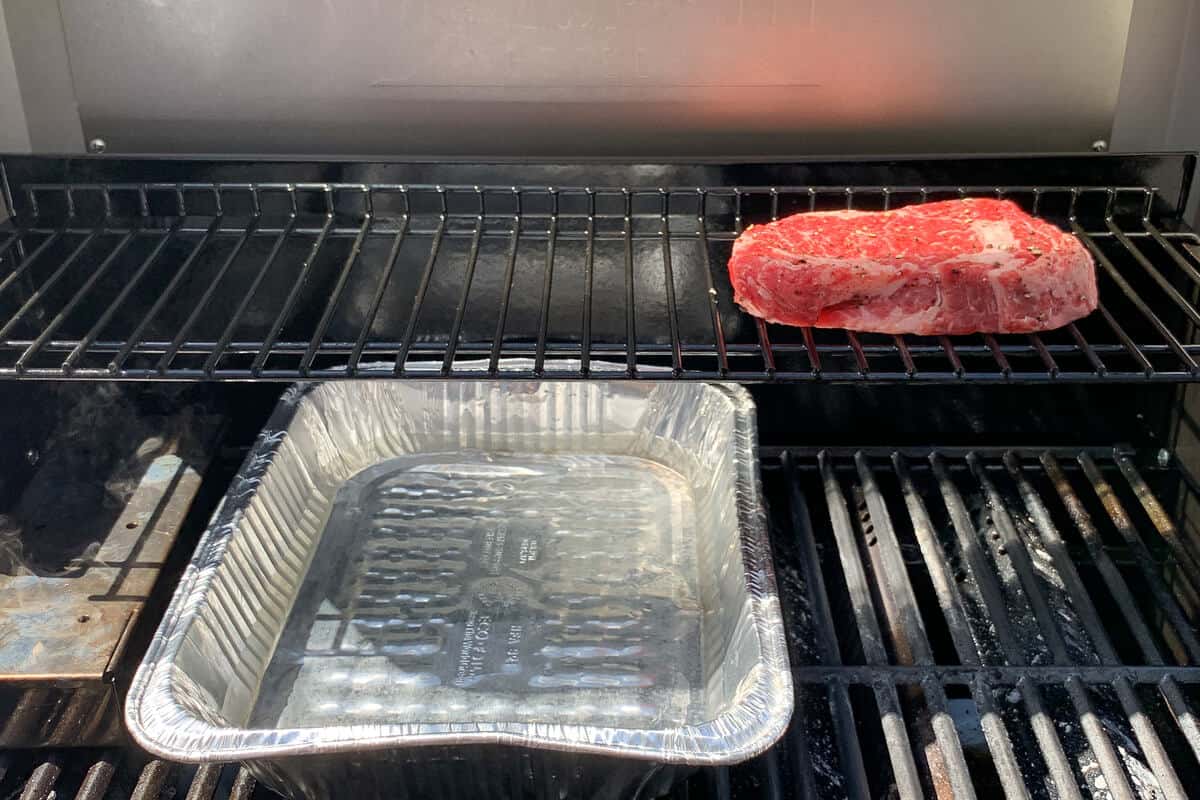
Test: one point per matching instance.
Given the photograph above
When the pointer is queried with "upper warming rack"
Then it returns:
(194, 269)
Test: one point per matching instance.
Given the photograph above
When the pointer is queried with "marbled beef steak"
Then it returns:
(951, 267)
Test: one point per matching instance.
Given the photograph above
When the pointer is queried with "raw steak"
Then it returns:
(952, 267)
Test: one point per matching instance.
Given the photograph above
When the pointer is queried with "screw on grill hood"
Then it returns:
(1100, 146)
(97, 146)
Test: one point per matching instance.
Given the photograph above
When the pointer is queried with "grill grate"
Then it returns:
(195, 280)
(988, 624)
(120, 775)
(963, 623)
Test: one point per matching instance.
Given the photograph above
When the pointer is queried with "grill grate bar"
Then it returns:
(1183, 630)
(1115, 779)
(849, 749)
(998, 355)
(11, 240)
(121, 227)
(539, 361)
(214, 358)
(335, 296)
(54, 277)
(377, 298)
(509, 273)
(1160, 238)
(910, 367)
(1178, 299)
(414, 316)
(1048, 740)
(40, 785)
(939, 571)
(109, 312)
(204, 784)
(630, 307)
(647, 349)
(123, 351)
(956, 365)
(1021, 563)
(1147, 739)
(669, 286)
(977, 565)
(97, 779)
(150, 783)
(460, 309)
(77, 298)
(589, 278)
(1133, 297)
(1138, 353)
(998, 741)
(1182, 712)
(1108, 570)
(869, 633)
(28, 260)
(717, 325)
(203, 302)
(860, 358)
(1089, 351)
(1162, 522)
(243, 786)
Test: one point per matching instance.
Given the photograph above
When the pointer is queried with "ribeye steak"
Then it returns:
(951, 267)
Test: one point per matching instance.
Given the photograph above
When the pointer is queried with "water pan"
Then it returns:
(410, 578)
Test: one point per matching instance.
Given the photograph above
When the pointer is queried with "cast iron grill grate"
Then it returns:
(279, 281)
(120, 775)
(963, 623)
(988, 623)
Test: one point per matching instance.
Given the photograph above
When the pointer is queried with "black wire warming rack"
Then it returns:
(278, 270)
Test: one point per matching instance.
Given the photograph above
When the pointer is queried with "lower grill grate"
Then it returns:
(119, 775)
(967, 624)
(988, 624)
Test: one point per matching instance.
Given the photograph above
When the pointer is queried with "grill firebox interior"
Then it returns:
(989, 590)
(963, 623)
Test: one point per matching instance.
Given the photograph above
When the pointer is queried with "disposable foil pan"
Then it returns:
(433, 587)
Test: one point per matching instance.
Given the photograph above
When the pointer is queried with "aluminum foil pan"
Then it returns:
(576, 571)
